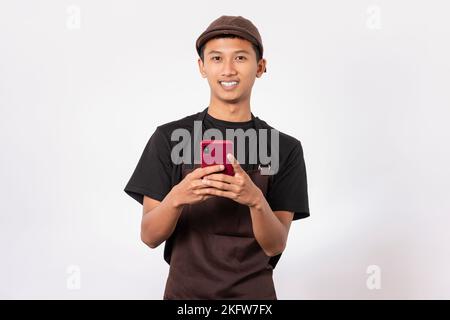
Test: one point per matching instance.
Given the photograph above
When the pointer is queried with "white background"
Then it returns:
(364, 85)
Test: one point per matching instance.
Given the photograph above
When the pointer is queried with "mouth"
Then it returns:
(229, 85)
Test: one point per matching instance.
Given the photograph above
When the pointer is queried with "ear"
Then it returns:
(261, 68)
(201, 68)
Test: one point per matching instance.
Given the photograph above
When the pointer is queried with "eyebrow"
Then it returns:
(237, 51)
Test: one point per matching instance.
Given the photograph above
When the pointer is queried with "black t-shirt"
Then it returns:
(156, 174)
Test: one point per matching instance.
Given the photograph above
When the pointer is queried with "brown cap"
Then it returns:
(235, 25)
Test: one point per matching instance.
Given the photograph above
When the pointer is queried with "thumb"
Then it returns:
(236, 166)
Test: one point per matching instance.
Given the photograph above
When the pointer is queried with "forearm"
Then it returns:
(270, 233)
(160, 222)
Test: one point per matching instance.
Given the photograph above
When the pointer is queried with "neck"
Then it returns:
(232, 112)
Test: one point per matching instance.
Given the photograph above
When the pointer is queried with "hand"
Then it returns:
(239, 187)
(188, 190)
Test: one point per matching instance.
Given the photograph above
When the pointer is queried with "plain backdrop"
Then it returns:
(364, 85)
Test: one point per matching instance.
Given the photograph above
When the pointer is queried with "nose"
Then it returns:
(228, 68)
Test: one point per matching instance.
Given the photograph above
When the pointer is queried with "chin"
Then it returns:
(230, 98)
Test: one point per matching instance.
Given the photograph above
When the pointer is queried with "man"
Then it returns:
(224, 233)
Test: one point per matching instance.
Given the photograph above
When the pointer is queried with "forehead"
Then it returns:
(228, 45)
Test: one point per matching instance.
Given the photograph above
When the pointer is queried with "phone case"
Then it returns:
(215, 152)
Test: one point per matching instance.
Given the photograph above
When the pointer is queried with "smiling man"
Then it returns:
(223, 234)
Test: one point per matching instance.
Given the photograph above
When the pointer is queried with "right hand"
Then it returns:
(185, 192)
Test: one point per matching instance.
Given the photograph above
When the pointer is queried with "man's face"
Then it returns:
(230, 66)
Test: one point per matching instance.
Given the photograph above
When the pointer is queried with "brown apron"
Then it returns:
(215, 254)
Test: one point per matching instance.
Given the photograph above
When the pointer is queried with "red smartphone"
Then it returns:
(215, 152)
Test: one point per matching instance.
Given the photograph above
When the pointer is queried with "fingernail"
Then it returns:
(222, 167)
(229, 156)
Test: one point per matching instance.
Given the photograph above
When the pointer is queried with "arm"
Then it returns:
(159, 219)
(271, 228)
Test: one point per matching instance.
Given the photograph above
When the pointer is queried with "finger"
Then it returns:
(198, 184)
(203, 193)
(200, 172)
(206, 197)
(203, 197)
(236, 166)
(220, 177)
(217, 192)
(220, 185)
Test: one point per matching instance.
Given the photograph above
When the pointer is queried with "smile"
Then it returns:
(228, 85)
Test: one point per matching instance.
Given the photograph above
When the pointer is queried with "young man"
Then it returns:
(223, 234)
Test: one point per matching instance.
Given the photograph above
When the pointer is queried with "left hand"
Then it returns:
(239, 187)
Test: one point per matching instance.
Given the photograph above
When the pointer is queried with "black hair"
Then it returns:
(255, 47)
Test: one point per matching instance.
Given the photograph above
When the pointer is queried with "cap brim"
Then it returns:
(211, 34)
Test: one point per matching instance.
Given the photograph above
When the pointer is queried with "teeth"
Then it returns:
(229, 84)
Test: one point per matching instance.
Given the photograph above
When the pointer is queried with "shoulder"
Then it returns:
(165, 130)
(287, 143)
(184, 122)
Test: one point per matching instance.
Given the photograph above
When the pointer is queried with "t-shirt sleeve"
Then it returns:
(152, 176)
(289, 189)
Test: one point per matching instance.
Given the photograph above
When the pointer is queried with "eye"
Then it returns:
(214, 58)
(243, 58)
